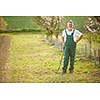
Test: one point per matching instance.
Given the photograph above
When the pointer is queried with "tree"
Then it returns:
(50, 23)
(2, 24)
(93, 26)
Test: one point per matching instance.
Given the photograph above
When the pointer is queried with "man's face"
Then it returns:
(69, 25)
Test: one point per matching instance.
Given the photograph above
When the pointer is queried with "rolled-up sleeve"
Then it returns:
(78, 33)
(63, 34)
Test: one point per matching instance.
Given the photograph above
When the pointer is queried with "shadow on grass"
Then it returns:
(22, 32)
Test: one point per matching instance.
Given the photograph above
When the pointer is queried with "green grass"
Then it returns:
(32, 60)
(20, 22)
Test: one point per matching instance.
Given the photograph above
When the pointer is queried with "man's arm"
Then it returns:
(62, 40)
(63, 44)
(79, 39)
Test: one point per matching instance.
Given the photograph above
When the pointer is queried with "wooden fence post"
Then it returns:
(85, 49)
(99, 56)
(95, 58)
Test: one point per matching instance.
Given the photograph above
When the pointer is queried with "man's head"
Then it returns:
(70, 25)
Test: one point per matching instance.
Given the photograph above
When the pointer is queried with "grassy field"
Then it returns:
(20, 22)
(32, 60)
(26, 22)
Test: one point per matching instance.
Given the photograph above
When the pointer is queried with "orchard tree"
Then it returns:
(93, 24)
(93, 27)
(51, 24)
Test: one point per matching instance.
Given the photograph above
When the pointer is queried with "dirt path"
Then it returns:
(4, 57)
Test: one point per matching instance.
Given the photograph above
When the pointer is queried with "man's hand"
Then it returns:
(63, 46)
(79, 39)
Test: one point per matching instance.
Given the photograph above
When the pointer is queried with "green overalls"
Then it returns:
(69, 51)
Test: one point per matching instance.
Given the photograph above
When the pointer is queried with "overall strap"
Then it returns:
(73, 32)
(66, 32)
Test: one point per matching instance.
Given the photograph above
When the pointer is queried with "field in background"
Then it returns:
(20, 23)
(25, 23)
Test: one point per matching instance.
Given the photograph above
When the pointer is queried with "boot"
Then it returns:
(63, 71)
(71, 70)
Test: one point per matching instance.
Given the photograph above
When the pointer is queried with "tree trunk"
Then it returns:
(90, 52)
(51, 39)
(47, 39)
(89, 37)
(57, 41)
(2, 24)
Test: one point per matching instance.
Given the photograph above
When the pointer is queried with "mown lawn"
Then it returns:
(32, 60)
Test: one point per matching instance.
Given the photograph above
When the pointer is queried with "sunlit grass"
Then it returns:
(32, 60)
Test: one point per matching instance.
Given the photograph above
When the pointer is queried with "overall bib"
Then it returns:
(69, 52)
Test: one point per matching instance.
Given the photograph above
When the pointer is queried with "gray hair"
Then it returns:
(70, 21)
